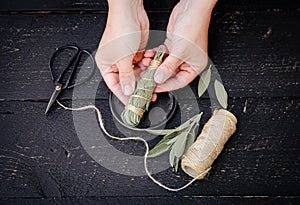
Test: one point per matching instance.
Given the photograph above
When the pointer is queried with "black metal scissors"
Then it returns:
(63, 82)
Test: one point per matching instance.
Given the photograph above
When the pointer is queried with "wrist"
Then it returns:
(129, 7)
(205, 6)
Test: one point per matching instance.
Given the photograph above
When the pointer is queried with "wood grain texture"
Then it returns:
(202, 200)
(254, 56)
(255, 46)
(150, 5)
(41, 156)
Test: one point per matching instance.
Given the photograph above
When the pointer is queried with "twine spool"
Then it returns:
(209, 144)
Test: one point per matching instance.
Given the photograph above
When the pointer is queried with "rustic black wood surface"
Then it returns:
(255, 46)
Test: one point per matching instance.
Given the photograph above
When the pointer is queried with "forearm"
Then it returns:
(198, 12)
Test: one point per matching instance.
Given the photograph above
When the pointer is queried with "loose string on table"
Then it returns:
(101, 123)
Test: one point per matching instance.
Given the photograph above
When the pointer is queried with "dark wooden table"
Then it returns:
(255, 46)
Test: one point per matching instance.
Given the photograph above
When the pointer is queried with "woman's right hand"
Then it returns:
(122, 46)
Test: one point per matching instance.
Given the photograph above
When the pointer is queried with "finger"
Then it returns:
(126, 75)
(182, 79)
(146, 62)
(150, 53)
(119, 93)
(167, 69)
(110, 75)
(154, 97)
(138, 57)
(111, 78)
(142, 66)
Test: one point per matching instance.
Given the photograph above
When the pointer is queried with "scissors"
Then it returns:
(64, 79)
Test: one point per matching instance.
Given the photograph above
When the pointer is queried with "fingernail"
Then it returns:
(159, 77)
(128, 90)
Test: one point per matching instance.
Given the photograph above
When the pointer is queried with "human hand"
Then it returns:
(186, 43)
(122, 46)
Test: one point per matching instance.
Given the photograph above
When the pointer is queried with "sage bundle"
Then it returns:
(215, 133)
(140, 100)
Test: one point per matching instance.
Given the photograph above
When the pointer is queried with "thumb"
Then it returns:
(126, 75)
(167, 69)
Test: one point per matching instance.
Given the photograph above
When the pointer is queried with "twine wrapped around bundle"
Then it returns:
(140, 100)
(201, 155)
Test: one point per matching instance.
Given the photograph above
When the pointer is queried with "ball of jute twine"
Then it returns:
(209, 144)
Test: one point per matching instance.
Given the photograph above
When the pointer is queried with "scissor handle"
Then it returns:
(90, 74)
(73, 64)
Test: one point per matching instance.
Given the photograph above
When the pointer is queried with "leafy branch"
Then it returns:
(176, 140)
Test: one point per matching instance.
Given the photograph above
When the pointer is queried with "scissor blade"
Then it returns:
(52, 99)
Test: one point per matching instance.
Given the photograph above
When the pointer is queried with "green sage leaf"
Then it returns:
(172, 141)
(179, 142)
(158, 150)
(162, 146)
(176, 164)
(187, 124)
(167, 138)
(196, 118)
(221, 94)
(190, 139)
(168, 131)
(179, 128)
(172, 157)
(160, 132)
(179, 145)
(178, 136)
(204, 81)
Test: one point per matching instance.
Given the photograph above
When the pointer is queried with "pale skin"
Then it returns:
(125, 37)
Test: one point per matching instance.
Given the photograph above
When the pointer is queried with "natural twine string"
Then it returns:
(209, 144)
(101, 123)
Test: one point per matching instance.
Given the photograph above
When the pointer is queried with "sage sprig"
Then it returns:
(176, 140)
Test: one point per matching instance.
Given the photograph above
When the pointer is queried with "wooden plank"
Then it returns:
(150, 5)
(42, 156)
(205, 200)
(254, 56)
